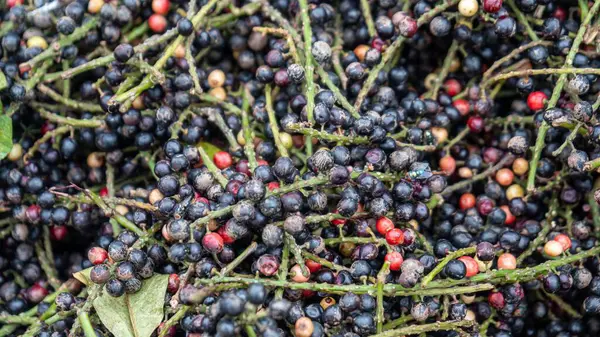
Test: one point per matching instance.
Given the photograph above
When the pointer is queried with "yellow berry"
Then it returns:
(37, 42)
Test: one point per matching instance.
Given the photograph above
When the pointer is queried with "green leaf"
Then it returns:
(83, 276)
(6, 132)
(3, 83)
(135, 315)
(209, 148)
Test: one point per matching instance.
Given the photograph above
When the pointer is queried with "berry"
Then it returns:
(536, 100)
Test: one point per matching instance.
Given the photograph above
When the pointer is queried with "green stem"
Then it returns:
(438, 268)
(239, 259)
(138, 31)
(74, 122)
(86, 325)
(249, 146)
(418, 329)
(397, 322)
(491, 170)
(385, 270)
(273, 122)
(283, 268)
(210, 165)
(366, 10)
(389, 289)
(445, 69)
(55, 48)
(543, 129)
(391, 50)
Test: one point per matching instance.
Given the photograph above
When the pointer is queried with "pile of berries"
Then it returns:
(303, 168)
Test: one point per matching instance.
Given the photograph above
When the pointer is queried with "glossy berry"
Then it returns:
(536, 100)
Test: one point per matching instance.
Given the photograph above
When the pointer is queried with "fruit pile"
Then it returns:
(302, 168)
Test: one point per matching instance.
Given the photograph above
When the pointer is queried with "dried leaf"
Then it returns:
(135, 315)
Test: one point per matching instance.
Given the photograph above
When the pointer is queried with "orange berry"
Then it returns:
(505, 177)
(507, 261)
(448, 164)
(360, 52)
(520, 166)
(510, 218)
(467, 201)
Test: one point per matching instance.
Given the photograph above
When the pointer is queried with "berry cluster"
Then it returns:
(299, 168)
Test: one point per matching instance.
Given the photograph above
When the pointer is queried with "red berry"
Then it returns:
(447, 164)
(13, 3)
(536, 100)
(463, 106)
(338, 222)
(564, 240)
(223, 233)
(157, 23)
(312, 266)
(492, 6)
(97, 255)
(560, 13)
(466, 201)
(36, 293)
(475, 124)
(452, 87)
(161, 6)
(260, 162)
(496, 300)
(471, 264)
(213, 242)
(395, 237)
(222, 159)
(173, 283)
(384, 225)
(395, 259)
(273, 185)
(103, 192)
(58, 233)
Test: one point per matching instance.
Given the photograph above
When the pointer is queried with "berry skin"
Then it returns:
(298, 276)
(463, 106)
(536, 100)
(157, 23)
(97, 255)
(395, 237)
(222, 160)
(507, 261)
(466, 201)
(452, 86)
(213, 243)
(173, 283)
(471, 264)
(468, 8)
(384, 225)
(553, 248)
(395, 259)
(496, 300)
(564, 240)
(492, 6)
(161, 6)
(304, 327)
(475, 124)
